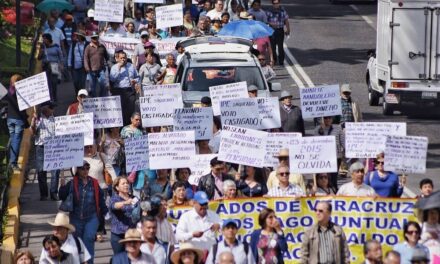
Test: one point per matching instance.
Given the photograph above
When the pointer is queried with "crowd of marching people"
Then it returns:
(134, 204)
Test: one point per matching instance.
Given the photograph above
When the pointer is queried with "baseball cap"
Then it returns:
(252, 88)
(227, 222)
(144, 33)
(201, 197)
(345, 88)
(83, 92)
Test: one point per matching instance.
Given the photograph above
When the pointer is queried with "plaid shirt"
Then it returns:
(45, 130)
(277, 16)
(347, 111)
(291, 190)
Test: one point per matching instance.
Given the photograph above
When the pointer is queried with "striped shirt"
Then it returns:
(326, 246)
(291, 190)
(45, 130)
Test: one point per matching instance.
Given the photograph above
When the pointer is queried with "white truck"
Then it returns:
(406, 64)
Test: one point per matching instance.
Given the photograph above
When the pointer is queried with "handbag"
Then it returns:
(107, 176)
(67, 204)
(55, 68)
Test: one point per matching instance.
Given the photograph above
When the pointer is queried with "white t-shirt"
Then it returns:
(57, 35)
(214, 14)
(69, 246)
(159, 254)
(349, 189)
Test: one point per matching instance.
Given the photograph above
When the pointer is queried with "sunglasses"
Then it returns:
(284, 173)
(319, 210)
(283, 158)
(261, 59)
(84, 168)
(412, 232)
(380, 162)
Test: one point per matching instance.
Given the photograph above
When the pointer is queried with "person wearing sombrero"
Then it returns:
(75, 60)
(132, 242)
(187, 254)
(71, 244)
(291, 117)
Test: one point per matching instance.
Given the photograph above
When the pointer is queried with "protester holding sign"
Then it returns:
(323, 186)
(356, 187)
(77, 107)
(250, 182)
(132, 130)
(182, 175)
(285, 188)
(294, 178)
(291, 116)
(212, 183)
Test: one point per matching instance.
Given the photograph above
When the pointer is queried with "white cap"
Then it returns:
(91, 13)
(83, 92)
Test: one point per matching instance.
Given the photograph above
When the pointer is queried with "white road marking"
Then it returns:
(367, 19)
(294, 76)
(298, 67)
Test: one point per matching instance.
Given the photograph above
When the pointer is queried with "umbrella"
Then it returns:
(430, 202)
(47, 5)
(249, 29)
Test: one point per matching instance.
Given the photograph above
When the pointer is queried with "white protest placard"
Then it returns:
(3, 91)
(200, 166)
(109, 10)
(367, 139)
(169, 16)
(62, 152)
(199, 119)
(314, 155)
(32, 91)
(72, 124)
(226, 92)
(242, 146)
(170, 150)
(269, 112)
(320, 101)
(107, 111)
(277, 141)
(158, 110)
(150, 1)
(241, 112)
(136, 153)
(406, 154)
(173, 89)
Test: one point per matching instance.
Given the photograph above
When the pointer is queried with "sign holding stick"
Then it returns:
(136, 153)
(406, 154)
(32, 91)
(107, 111)
(226, 92)
(197, 119)
(320, 101)
(62, 152)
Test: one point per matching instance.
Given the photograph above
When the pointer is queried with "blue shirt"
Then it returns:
(122, 77)
(385, 187)
(406, 252)
(53, 53)
(121, 218)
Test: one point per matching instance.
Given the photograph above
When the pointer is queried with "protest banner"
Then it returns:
(242, 146)
(197, 119)
(367, 139)
(313, 155)
(32, 91)
(200, 166)
(169, 16)
(109, 10)
(406, 154)
(240, 112)
(277, 141)
(170, 150)
(269, 112)
(158, 110)
(320, 101)
(3, 91)
(173, 89)
(150, 1)
(107, 111)
(136, 153)
(362, 219)
(62, 152)
(226, 92)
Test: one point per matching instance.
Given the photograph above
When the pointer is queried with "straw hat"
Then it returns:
(132, 235)
(184, 247)
(245, 15)
(282, 153)
(62, 220)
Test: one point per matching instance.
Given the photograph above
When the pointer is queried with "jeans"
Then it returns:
(114, 241)
(277, 40)
(15, 127)
(98, 82)
(79, 79)
(42, 174)
(86, 229)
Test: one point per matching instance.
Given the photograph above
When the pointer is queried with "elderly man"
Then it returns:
(350, 108)
(291, 117)
(70, 244)
(297, 179)
(212, 183)
(392, 257)
(132, 254)
(356, 187)
(240, 250)
(95, 57)
(153, 246)
(199, 225)
(252, 91)
(285, 188)
(372, 252)
(217, 12)
(325, 241)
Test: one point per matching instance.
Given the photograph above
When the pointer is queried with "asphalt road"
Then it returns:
(329, 46)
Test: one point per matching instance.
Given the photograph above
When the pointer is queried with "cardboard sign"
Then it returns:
(158, 110)
(367, 139)
(241, 112)
(269, 112)
(32, 91)
(200, 166)
(406, 154)
(197, 119)
(169, 16)
(109, 10)
(173, 89)
(136, 153)
(171, 149)
(314, 155)
(3, 91)
(276, 142)
(72, 124)
(107, 111)
(226, 92)
(242, 146)
(62, 152)
(320, 101)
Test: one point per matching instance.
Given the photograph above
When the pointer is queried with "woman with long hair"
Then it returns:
(251, 183)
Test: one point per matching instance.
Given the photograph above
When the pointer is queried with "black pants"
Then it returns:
(276, 41)
(128, 100)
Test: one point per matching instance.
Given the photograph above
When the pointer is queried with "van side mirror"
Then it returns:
(274, 87)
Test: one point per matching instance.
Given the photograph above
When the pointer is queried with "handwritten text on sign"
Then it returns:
(320, 101)
(32, 91)
(171, 149)
(81, 123)
(62, 152)
(163, 89)
(276, 142)
(169, 16)
(241, 112)
(313, 155)
(242, 146)
(107, 111)
(406, 154)
(269, 112)
(367, 139)
(136, 153)
(226, 92)
(158, 110)
(109, 10)
(198, 119)
(200, 165)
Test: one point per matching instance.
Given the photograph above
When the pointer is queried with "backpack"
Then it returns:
(215, 248)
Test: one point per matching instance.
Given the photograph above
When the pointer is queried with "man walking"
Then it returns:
(350, 108)
(75, 60)
(95, 59)
(278, 19)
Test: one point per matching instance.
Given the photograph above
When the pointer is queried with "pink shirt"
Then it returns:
(263, 45)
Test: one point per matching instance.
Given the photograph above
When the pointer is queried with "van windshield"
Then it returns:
(200, 79)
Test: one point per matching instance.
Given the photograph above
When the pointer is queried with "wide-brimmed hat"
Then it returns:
(245, 15)
(62, 220)
(285, 94)
(132, 235)
(94, 34)
(282, 153)
(185, 247)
